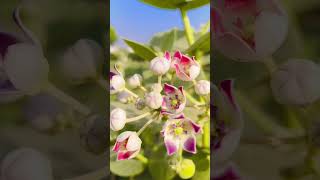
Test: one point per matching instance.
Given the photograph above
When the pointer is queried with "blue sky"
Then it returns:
(139, 22)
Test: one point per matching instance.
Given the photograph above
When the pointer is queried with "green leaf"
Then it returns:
(202, 44)
(202, 165)
(174, 4)
(126, 168)
(141, 50)
(113, 35)
(164, 41)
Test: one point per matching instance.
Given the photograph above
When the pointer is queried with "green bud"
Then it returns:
(186, 169)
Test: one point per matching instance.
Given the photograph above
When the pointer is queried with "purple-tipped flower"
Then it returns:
(174, 100)
(180, 132)
(187, 69)
(117, 83)
(227, 122)
(127, 146)
(161, 65)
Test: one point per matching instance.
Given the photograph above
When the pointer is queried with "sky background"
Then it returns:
(139, 22)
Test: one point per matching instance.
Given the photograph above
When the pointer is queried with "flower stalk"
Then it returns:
(138, 117)
(187, 26)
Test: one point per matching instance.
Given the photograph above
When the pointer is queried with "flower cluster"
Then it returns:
(166, 103)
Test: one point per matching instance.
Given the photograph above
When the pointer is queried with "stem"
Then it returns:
(102, 83)
(270, 64)
(54, 91)
(142, 158)
(191, 99)
(98, 174)
(206, 135)
(187, 26)
(261, 119)
(138, 117)
(143, 88)
(130, 92)
(159, 79)
(145, 126)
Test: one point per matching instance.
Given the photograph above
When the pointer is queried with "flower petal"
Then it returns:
(124, 155)
(189, 144)
(134, 142)
(111, 74)
(167, 55)
(171, 146)
(226, 87)
(125, 135)
(177, 55)
(169, 89)
(197, 128)
(116, 147)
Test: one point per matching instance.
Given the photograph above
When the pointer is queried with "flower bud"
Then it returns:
(128, 145)
(26, 67)
(202, 87)
(186, 169)
(135, 80)
(156, 87)
(82, 61)
(140, 104)
(161, 65)
(117, 83)
(26, 164)
(296, 82)
(154, 100)
(94, 134)
(117, 119)
(124, 97)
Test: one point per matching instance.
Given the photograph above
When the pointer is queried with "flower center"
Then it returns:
(178, 131)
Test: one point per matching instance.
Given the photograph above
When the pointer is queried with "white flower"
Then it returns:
(26, 67)
(202, 87)
(128, 145)
(26, 164)
(117, 83)
(118, 118)
(161, 65)
(82, 61)
(156, 87)
(154, 100)
(296, 82)
(124, 97)
(135, 80)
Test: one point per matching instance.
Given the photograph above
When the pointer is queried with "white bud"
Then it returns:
(82, 61)
(154, 100)
(202, 87)
(135, 80)
(160, 65)
(156, 87)
(26, 67)
(117, 84)
(296, 82)
(194, 71)
(26, 164)
(124, 97)
(118, 118)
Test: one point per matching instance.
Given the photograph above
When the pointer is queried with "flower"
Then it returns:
(82, 61)
(179, 132)
(161, 65)
(27, 164)
(127, 145)
(296, 82)
(227, 123)
(8, 92)
(202, 87)
(174, 100)
(117, 83)
(118, 119)
(135, 80)
(26, 67)
(248, 30)
(124, 97)
(187, 69)
(154, 100)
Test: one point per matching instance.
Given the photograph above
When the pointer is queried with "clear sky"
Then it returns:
(137, 21)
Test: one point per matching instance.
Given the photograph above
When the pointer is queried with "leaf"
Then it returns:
(202, 166)
(126, 168)
(202, 44)
(174, 4)
(165, 40)
(141, 50)
(113, 35)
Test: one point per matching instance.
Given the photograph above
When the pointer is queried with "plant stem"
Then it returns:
(132, 93)
(145, 126)
(159, 79)
(270, 64)
(54, 91)
(187, 26)
(138, 117)
(143, 88)
(206, 135)
(142, 158)
(98, 174)
(261, 119)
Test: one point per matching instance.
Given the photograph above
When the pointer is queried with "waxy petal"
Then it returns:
(169, 89)
(5, 41)
(111, 74)
(124, 136)
(116, 147)
(134, 143)
(197, 128)
(171, 146)
(124, 155)
(226, 87)
(189, 144)
(167, 56)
